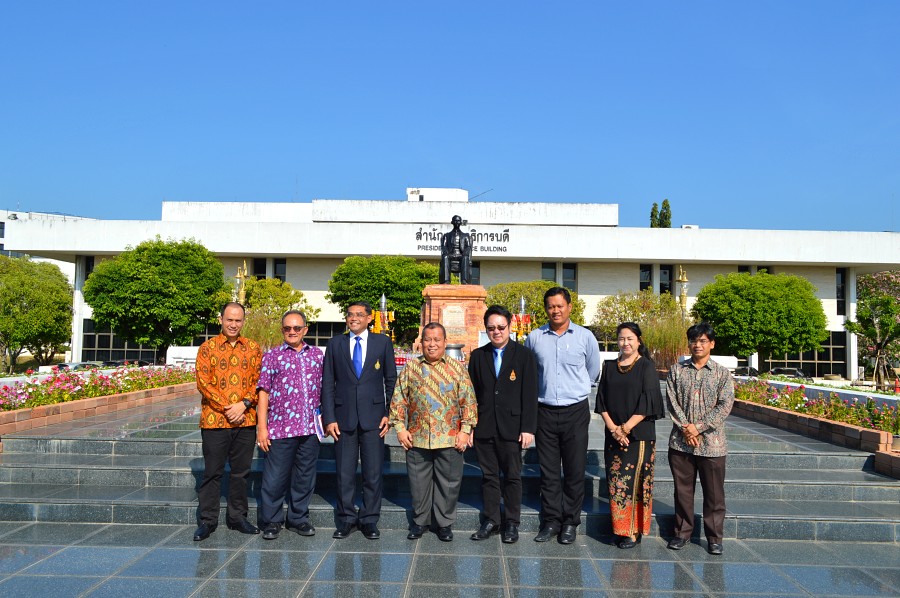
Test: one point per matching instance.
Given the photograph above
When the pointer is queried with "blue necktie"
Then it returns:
(498, 359)
(357, 357)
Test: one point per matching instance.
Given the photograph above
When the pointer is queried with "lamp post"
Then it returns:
(682, 280)
(382, 324)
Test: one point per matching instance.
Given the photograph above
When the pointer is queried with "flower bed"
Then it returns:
(860, 425)
(64, 386)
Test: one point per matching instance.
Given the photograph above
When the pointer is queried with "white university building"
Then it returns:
(580, 246)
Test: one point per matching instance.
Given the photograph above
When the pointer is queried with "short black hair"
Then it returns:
(364, 304)
(434, 326)
(553, 291)
(497, 310)
(698, 330)
(293, 312)
(231, 304)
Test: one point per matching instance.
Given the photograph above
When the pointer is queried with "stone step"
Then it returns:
(776, 519)
(832, 460)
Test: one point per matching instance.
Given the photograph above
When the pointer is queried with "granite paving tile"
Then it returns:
(42, 586)
(839, 581)
(87, 560)
(732, 578)
(457, 570)
(461, 591)
(356, 567)
(240, 588)
(16, 557)
(550, 572)
(173, 562)
(117, 587)
(131, 535)
(647, 576)
(54, 533)
(271, 565)
(365, 590)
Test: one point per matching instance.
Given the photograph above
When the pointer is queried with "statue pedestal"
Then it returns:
(460, 308)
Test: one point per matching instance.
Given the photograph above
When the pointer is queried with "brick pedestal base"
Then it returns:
(460, 308)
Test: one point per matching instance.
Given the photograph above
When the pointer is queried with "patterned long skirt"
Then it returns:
(629, 471)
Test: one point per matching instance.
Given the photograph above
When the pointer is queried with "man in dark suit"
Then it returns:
(504, 375)
(357, 384)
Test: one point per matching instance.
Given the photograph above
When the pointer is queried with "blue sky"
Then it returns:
(743, 114)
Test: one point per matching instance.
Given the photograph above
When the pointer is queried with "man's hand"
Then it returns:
(333, 431)
(462, 442)
(691, 435)
(383, 427)
(235, 413)
(405, 439)
(262, 438)
(525, 439)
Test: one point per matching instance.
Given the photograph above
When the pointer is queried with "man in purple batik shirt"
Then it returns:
(290, 388)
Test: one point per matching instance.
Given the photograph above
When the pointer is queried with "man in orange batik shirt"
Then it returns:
(227, 372)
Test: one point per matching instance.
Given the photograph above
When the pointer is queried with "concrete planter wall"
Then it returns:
(45, 415)
(887, 461)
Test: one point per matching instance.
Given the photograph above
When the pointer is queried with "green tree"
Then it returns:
(508, 294)
(35, 309)
(765, 314)
(267, 299)
(159, 293)
(400, 279)
(654, 215)
(665, 215)
(877, 321)
(659, 317)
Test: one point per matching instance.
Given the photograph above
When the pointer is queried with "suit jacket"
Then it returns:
(353, 402)
(508, 403)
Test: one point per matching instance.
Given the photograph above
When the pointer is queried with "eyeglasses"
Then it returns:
(700, 341)
(357, 314)
(287, 329)
(493, 328)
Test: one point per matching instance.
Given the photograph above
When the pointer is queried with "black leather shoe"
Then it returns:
(370, 531)
(714, 548)
(343, 531)
(305, 529)
(546, 534)
(676, 543)
(487, 529)
(445, 534)
(204, 531)
(626, 542)
(243, 526)
(270, 531)
(510, 533)
(567, 535)
(415, 532)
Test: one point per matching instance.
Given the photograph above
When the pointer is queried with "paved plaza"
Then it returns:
(72, 538)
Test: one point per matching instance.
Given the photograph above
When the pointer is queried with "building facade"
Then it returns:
(579, 245)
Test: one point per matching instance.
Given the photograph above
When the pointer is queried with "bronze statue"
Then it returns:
(456, 254)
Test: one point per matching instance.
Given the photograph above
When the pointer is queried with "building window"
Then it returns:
(832, 359)
(548, 271)
(743, 269)
(88, 265)
(768, 269)
(2, 229)
(840, 290)
(570, 276)
(646, 276)
(319, 333)
(665, 279)
(475, 277)
(259, 268)
(280, 268)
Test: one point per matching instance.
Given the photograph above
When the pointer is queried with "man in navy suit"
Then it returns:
(357, 385)
(504, 375)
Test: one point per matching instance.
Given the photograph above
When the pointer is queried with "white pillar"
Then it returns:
(654, 278)
(852, 341)
(78, 306)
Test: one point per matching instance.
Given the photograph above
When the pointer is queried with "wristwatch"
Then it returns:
(247, 403)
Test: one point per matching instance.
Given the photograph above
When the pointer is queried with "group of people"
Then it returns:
(511, 395)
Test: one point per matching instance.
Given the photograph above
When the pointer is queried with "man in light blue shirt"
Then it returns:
(568, 363)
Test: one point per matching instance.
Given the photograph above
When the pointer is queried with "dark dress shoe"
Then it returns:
(715, 548)
(243, 526)
(305, 529)
(343, 531)
(567, 534)
(270, 531)
(445, 534)
(488, 529)
(415, 532)
(676, 543)
(626, 542)
(204, 531)
(546, 534)
(370, 531)
(510, 533)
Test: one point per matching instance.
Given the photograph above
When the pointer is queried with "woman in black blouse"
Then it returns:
(630, 401)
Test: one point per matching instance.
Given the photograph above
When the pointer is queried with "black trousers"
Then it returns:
(562, 439)
(496, 456)
(290, 462)
(365, 447)
(685, 468)
(234, 446)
